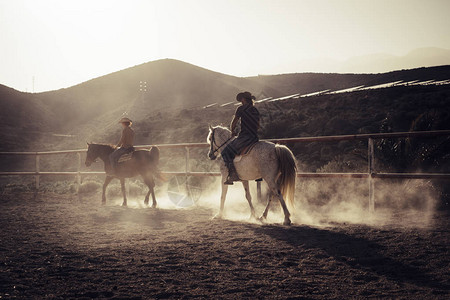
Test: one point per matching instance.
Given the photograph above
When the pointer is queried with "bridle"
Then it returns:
(213, 142)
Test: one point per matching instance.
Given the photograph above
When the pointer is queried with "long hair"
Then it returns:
(247, 96)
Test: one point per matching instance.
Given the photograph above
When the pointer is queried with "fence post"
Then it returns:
(37, 171)
(79, 170)
(371, 183)
(187, 167)
(187, 160)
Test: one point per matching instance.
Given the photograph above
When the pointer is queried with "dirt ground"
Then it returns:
(64, 247)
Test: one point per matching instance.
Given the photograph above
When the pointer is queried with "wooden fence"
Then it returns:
(369, 175)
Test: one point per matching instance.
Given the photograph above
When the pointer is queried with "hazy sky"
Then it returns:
(62, 43)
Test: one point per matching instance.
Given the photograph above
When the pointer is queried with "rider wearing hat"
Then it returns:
(248, 135)
(125, 144)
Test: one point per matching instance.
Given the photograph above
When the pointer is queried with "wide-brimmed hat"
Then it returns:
(125, 120)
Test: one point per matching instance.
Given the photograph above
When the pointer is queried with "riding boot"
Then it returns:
(232, 174)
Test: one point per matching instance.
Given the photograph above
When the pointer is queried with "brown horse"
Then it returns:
(143, 162)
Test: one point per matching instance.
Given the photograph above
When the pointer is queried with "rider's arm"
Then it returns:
(234, 124)
(119, 144)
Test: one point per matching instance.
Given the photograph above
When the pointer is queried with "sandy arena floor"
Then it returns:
(63, 247)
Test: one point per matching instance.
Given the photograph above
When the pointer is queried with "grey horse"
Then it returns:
(274, 163)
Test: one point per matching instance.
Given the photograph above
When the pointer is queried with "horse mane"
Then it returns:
(104, 145)
(221, 127)
(216, 127)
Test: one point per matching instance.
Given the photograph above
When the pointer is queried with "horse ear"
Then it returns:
(88, 143)
(210, 127)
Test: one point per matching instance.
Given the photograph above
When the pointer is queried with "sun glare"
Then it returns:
(62, 43)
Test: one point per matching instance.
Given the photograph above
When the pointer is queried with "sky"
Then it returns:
(53, 44)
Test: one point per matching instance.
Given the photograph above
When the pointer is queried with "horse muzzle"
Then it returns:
(212, 156)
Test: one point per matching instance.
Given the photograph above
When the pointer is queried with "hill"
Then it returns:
(426, 57)
(304, 83)
(92, 107)
(66, 118)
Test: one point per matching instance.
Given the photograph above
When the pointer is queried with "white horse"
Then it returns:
(273, 163)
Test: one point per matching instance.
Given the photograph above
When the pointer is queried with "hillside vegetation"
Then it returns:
(90, 110)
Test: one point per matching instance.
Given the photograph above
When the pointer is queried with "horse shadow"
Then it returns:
(355, 252)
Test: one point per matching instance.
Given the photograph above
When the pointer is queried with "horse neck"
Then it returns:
(104, 152)
(224, 137)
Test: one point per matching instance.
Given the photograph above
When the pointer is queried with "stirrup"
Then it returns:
(231, 179)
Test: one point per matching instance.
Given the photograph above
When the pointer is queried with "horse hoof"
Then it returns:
(262, 219)
(153, 205)
(124, 205)
(219, 216)
(287, 222)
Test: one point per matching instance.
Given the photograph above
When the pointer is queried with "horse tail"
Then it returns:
(154, 154)
(153, 158)
(288, 172)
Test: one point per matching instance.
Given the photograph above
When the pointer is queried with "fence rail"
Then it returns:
(370, 175)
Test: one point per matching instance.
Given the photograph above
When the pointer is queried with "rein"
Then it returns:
(213, 142)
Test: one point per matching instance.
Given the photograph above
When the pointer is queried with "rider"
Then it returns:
(249, 116)
(125, 144)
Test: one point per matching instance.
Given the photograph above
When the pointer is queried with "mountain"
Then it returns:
(168, 84)
(90, 108)
(373, 63)
(378, 63)
(66, 118)
(304, 83)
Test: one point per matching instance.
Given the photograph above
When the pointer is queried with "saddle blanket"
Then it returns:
(125, 157)
(244, 152)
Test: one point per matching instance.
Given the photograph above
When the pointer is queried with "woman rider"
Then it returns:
(125, 144)
(249, 116)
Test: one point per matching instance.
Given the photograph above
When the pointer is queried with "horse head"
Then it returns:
(92, 154)
(217, 139)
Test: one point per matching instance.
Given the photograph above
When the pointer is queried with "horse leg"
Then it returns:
(276, 192)
(266, 210)
(154, 199)
(287, 220)
(249, 198)
(147, 196)
(124, 192)
(105, 185)
(222, 199)
(151, 184)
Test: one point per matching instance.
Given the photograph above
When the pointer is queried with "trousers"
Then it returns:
(114, 157)
(237, 145)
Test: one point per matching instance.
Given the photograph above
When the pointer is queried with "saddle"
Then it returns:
(245, 151)
(125, 157)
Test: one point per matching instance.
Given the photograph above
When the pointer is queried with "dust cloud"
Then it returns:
(320, 202)
(397, 203)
